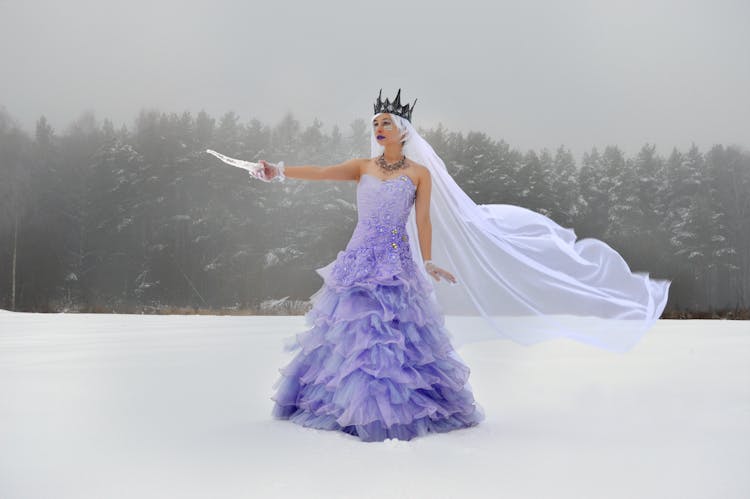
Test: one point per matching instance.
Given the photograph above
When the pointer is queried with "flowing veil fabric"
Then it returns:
(523, 277)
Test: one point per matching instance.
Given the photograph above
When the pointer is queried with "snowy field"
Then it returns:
(127, 406)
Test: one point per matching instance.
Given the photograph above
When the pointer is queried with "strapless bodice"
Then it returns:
(383, 208)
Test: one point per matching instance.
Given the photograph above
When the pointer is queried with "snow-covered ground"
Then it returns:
(127, 406)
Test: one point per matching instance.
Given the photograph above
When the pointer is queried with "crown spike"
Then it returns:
(397, 100)
(378, 103)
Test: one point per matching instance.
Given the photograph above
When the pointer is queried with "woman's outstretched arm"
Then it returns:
(348, 170)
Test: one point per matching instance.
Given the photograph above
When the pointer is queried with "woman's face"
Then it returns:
(385, 130)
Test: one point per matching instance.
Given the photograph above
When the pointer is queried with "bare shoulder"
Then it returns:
(356, 167)
(362, 164)
(422, 173)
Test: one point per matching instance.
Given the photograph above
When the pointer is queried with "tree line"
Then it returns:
(142, 219)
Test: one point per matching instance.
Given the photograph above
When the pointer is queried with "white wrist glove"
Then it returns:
(270, 172)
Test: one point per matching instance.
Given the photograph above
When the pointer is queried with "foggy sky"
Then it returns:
(534, 73)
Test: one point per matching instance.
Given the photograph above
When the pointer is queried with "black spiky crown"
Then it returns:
(394, 107)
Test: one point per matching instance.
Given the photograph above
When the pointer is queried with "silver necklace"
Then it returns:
(392, 167)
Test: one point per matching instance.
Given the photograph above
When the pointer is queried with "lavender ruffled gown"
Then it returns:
(377, 362)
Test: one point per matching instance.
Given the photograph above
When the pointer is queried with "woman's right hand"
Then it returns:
(271, 171)
(268, 171)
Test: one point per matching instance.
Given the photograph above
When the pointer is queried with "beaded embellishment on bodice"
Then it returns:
(382, 211)
(379, 247)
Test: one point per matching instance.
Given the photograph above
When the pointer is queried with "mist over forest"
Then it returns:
(141, 219)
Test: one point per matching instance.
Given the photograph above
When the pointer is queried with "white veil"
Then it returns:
(523, 277)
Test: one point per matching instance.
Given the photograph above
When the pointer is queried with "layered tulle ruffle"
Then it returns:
(376, 363)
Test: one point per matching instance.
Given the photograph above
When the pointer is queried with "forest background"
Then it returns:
(142, 220)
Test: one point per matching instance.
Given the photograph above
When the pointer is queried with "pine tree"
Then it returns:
(480, 163)
(565, 188)
(730, 174)
(626, 214)
(690, 218)
(594, 197)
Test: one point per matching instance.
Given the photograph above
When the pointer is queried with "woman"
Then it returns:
(377, 362)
